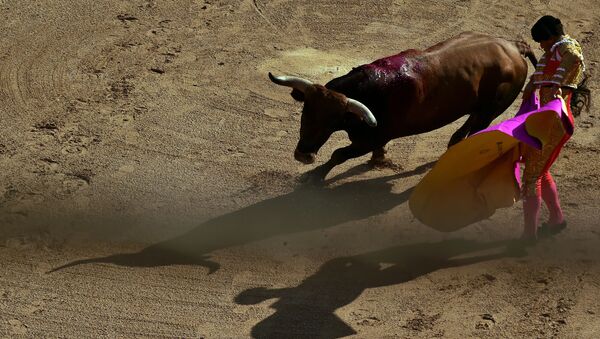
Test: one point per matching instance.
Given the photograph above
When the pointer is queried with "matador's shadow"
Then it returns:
(305, 209)
(307, 310)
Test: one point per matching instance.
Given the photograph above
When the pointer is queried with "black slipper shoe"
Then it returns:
(548, 230)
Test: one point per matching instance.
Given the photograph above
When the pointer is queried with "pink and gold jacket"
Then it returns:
(562, 66)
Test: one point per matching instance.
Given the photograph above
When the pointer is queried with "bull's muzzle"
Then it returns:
(305, 158)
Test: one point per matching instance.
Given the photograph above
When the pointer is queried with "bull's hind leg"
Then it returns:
(463, 131)
(482, 117)
(483, 120)
(506, 94)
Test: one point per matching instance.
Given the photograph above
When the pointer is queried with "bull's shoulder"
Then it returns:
(377, 78)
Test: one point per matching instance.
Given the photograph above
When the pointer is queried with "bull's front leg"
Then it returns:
(339, 156)
(379, 160)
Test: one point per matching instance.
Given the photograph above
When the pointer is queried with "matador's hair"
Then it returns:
(547, 27)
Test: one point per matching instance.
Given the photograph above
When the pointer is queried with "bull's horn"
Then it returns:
(298, 83)
(362, 111)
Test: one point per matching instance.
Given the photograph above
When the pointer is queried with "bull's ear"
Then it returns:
(297, 95)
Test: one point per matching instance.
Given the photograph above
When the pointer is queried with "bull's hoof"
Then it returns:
(385, 163)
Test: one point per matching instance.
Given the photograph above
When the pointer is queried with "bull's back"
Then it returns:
(419, 91)
(472, 60)
(461, 76)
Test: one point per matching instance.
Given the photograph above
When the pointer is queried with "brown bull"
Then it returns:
(409, 93)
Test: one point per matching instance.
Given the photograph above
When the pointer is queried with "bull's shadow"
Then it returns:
(307, 310)
(305, 209)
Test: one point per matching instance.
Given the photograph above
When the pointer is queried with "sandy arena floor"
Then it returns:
(143, 146)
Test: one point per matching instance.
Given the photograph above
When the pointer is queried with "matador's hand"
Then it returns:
(556, 91)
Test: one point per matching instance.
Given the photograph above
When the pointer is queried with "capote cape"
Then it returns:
(481, 173)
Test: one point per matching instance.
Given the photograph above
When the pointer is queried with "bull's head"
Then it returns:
(323, 113)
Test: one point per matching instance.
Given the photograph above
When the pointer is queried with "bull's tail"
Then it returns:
(582, 97)
(526, 51)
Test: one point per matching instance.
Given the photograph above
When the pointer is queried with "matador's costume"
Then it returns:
(481, 173)
(563, 67)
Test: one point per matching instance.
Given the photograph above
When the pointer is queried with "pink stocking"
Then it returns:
(531, 212)
(550, 196)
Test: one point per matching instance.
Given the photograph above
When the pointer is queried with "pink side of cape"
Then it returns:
(516, 126)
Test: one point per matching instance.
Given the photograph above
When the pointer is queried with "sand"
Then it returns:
(148, 186)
